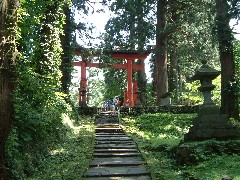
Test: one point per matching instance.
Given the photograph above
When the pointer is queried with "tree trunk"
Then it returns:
(160, 62)
(229, 101)
(67, 53)
(8, 53)
(173, 75)
(180, 82)
(141, 76)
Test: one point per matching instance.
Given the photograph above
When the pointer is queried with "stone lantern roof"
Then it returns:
(205, 71)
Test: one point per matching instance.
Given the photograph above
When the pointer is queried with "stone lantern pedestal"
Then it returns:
(210, 123)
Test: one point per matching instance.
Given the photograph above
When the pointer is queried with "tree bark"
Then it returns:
(67, 53)
(8, 55)
(160, 62)
(229, 101)
(141, 76)
(173, 75)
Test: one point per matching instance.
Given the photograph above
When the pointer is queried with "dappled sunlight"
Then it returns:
(72, 154)
(57, 151)
(158, 138)
(76, 128)
(217, 167)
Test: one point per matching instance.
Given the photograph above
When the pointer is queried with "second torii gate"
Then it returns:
(128, 55)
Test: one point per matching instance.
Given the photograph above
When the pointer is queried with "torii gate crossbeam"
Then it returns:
(128, 55)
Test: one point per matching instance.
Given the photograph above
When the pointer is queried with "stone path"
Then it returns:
(116, 156)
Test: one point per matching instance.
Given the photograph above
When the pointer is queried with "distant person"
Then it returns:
(127, 103)
(105, 106)
(118, 104)
(112, 106)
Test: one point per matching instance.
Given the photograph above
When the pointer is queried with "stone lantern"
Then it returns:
(206, 74)
(209, 123)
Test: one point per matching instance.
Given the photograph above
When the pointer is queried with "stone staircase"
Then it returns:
(116, 156)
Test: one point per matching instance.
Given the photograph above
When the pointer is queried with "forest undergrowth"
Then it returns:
(70, 157)
(159, 137)
(66, 157)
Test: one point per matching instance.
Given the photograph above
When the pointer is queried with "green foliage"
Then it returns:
(96, 92)
(217, 167)
(192, 96)
(132, 25)
(156, 131)
(38, 103)
(150, 95)
(158, 137)
(237, 65)
(36, 128)
(115, 83)
(70, 157)
(165, 125)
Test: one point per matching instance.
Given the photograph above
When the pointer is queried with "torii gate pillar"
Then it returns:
(83, 86)
(129, 82)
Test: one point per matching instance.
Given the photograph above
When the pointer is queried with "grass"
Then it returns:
(70, 158)
(217, 167)
(159, 135)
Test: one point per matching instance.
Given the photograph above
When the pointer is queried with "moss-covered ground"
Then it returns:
(158, 137)
(71, 157)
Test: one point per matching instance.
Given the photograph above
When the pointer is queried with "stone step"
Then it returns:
(108, 130)
(106, 124)
(114, 142)
(120, 154)
(109, 126)
(119, 146)
(115, 150)
(125, 138)
(127, 161)
(117, 171)
(110, 135)
(120, 178)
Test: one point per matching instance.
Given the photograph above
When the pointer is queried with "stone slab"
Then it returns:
(114, 142)
(119, 146)
(102, 124)
(117, 171)
(127, 161)
(113, 138)
(107, 120)
(120, 178)
(111, 150)
(110, 135)
(116, 154)
(108, 126)
(108, 130)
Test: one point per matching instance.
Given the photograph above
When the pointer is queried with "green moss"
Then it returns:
(71, 157)
(159, 135)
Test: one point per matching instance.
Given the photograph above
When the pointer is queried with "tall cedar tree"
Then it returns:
(229, 101)
(8, 52)
(141, 75)
(67, 54)
(160, 62)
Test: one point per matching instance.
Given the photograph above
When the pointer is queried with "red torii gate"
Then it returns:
(129, 56)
